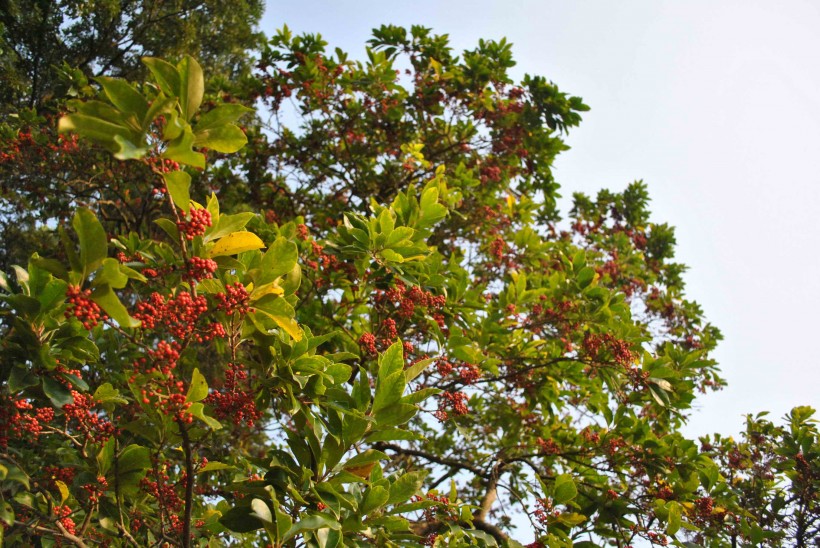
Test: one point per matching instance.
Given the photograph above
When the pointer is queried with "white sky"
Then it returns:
(715, 105)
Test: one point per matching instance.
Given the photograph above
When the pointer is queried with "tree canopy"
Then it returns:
(285, 297)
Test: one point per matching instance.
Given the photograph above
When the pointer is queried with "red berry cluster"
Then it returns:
(198, 269)
(82, 307)
(497, 249)
(404, 301)
(235, 402)
(20, 419)
(92, 426)
(53, 474)
(441, 511)
(235, 300)
(96, 490)
(544, 511)
(158, 484)
(469, 373)
(62, 513)
(456, 401)
(329, 264)
(198, 221)
(179, 314)
(389, 329)
(302, 231)
(162, 165)
(620, 350)
(548, 447)
(368, 343)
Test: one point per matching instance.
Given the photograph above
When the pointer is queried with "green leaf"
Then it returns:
(95, 129)
(396, 414)
(279, 259)
(374, 498)
(227, 224)
(124, 96)
(391, 361)
(198, 411)
(179, 184)
(213, 466)
(405, 487)
(165, 74)
(673, 521)
(565, 489)
(416, 369)
(179, 150)
(311, 523)
(105, 457)
(391, 434)
(108, 300)
(228, 138)
(585, 277)
(198, 390)
(261, 510)
(93, 240)
(389, 391)
(133, 458)
(221, 115)
(367, 457)
(110, 274)
(241, 519)
(6, 512)
(169, 227)
(191, 86)
(56, 392)
(21, 377)
(125, 149)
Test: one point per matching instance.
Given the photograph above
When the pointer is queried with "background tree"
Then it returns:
(50, 51)
(423, 350)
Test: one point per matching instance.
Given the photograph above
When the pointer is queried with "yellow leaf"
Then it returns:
(290, 326)
(236, 243)
(362, 471)
(266, 289)
(63, 488)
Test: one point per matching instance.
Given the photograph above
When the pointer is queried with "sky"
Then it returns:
(714, 104)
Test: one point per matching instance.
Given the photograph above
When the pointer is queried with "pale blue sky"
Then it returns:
(715, 105)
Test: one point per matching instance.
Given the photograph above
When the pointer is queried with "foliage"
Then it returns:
(355, 316)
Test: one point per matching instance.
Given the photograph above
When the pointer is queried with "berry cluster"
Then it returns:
(235, 402)
(442, 511)
(82, 307)
(198, 221)
(92, 426)
(234, 300)
(20, 420)
(53, 474)
(455, 401)
(198, 269)
(406, 300)
(621, 353)
(302, 231)
(158, 484)
(368, 343)
(548, 447)
(179, 314)
(497, 249)
(162, 165)
(62, 513)
(544, 511)
(96, 490)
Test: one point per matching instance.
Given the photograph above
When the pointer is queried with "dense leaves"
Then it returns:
(352, 316)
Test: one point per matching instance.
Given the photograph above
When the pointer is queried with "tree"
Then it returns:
(50, 51)
(367, 325)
